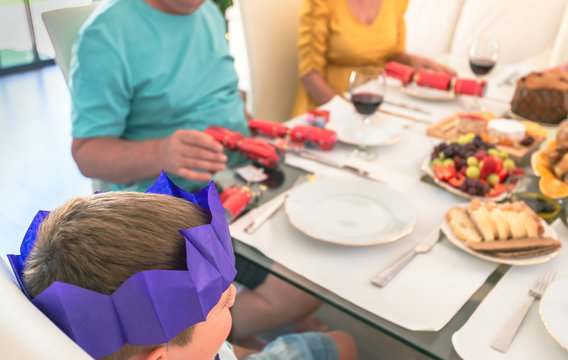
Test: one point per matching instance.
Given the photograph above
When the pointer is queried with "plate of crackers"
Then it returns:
(507, 233)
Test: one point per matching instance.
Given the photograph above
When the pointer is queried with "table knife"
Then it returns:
(327, 161)
(423, 246)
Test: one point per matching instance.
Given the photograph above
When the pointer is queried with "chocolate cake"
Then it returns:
(542, 96)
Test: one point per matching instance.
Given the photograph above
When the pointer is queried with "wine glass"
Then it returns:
(367, 87)
(483, 54)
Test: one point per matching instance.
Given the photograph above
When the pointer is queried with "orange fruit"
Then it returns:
(550, 186)
(551, 145)
(542, 164)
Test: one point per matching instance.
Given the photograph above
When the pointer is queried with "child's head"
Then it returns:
(99, 241)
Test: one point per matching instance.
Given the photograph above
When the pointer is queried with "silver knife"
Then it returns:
(327, 161)
(423, 246)
(408, 106)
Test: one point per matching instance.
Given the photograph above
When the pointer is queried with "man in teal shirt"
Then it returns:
(145, 84)
(147, 77)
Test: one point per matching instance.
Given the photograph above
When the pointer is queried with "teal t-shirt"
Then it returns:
(139, 73)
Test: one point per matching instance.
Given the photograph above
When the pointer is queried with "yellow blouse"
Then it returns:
(333, 41)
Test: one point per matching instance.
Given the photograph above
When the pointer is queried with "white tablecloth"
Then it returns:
(433, 287)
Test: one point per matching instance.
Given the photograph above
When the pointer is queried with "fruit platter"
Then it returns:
(471, 167)
(551, 165)
(516, 138)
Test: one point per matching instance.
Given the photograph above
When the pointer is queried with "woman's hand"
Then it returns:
(422, 63)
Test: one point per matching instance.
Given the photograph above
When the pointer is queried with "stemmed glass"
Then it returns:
(367, 87)
(483, 54)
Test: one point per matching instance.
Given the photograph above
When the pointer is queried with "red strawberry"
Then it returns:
(498, 189)
(439, 171)
(503, 174)
(444, 172)
(517, 171)
(491, 165)
(480, 155)
(457, 181)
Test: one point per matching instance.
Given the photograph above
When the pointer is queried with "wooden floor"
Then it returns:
(38, 172)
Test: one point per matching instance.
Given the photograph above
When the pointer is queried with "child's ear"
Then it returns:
(156, 354)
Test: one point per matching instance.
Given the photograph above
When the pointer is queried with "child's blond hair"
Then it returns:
(97, 242)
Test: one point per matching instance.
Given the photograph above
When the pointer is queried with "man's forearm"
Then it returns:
(117, 160)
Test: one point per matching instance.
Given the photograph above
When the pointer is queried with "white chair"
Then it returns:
(524, 28)
(62, 27)
(559, 53)
(271, 35)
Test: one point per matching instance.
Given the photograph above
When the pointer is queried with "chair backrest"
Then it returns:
(271, 36)
(62, 27)
(559, 55)
(524, 28)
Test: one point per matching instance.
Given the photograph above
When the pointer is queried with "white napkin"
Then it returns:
(532, 341)
(425, 295)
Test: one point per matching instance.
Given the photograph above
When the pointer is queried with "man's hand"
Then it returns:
(185, 151)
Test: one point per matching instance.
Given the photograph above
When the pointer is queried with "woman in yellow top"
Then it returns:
(339, 35)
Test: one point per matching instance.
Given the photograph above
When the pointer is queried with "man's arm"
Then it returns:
(124, 161)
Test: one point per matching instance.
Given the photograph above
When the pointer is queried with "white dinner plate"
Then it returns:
(425, 93)
(350, 211)
(548, 231)
(357, 133)
(553, 309)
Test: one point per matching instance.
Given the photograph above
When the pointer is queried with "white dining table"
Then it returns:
(428, 293)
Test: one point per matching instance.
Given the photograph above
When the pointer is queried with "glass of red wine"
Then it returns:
(367, 87)
(483, 54)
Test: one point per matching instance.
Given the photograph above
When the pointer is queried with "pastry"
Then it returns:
(509, 231)
(542, 96)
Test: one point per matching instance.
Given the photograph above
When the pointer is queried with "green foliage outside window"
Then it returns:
(223, 4)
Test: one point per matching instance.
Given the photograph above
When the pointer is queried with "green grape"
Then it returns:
(472, 172)
(492, 179)
(509, 164)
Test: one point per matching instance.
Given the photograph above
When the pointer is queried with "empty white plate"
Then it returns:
(553, 310)
(358, 133)
(352, 212)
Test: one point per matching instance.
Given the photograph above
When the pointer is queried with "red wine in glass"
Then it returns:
(366, 103)
(481, 66)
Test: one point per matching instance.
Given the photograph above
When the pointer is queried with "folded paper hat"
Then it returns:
(151, 307)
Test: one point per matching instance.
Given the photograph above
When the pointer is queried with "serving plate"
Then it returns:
(350, 212)
(369, 135)
(553, 310)
(548, 231)
(428, 171)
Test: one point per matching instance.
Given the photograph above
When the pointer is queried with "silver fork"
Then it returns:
(505, 336)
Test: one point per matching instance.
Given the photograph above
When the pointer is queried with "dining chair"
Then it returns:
(559, 55)
(62, 27)
(271, 36)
